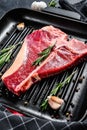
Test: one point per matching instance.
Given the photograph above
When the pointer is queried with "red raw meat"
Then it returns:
(65, 56)
(21, 75)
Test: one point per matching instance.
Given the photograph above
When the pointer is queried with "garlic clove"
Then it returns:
(57, 99)
(38, 5)
(55, 102)
(20, 26)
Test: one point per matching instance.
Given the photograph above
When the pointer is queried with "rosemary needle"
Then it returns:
(55, 90)
(6, 53)
(52, 3)
(43, 55)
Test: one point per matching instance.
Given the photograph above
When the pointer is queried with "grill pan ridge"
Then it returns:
(74, 94)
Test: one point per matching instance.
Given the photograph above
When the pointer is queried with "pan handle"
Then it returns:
(65, 4)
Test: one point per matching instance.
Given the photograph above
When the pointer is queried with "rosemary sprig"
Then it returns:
(6, 53)
(52, 3)
(55, 90)
(43, 55)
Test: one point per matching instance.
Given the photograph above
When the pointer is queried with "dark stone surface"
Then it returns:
(7, 5)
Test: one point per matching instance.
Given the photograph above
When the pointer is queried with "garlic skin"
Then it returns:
(38, 5)
(55, 102)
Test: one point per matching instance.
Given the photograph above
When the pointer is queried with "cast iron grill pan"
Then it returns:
(74, 94)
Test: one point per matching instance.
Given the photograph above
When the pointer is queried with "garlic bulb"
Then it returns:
(38, 5)
(55, 102)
